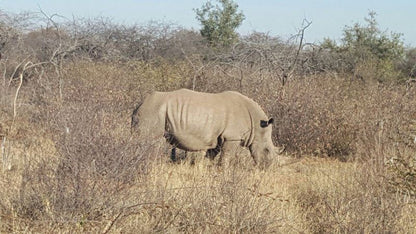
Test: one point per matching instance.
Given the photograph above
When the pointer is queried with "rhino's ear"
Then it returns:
(265, 123)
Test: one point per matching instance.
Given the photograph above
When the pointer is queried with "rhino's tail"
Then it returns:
(135, 117)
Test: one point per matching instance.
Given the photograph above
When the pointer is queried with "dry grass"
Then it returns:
(350, 198)
(73, 167)
(306, 196)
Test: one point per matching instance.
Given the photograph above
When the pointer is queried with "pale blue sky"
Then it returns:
(278, 17)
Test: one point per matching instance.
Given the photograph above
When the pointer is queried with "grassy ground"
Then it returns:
(307, 195)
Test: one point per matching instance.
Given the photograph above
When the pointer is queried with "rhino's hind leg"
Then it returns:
(174, 157)
(212, 153)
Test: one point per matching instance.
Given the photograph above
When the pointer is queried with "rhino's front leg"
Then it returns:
(212, 153)
(228, 150)
(173, 154)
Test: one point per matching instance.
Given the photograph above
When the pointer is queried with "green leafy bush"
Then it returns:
(220, 22)
(367, 51)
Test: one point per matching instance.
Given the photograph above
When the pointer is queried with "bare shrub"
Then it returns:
(403, 170)
(336, 117)
(313, 120)
(96, 160)
(103, 40)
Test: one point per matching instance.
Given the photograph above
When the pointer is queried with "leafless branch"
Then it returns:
(301, 34)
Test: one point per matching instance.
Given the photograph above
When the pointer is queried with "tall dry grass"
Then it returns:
(74, 166)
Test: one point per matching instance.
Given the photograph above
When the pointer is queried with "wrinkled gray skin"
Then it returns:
(195, 121)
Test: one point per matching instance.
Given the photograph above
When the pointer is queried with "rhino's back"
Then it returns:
(195, 119)
(203, 117)
(245, 115)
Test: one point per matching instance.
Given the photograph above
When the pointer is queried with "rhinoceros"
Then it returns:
(211, 122)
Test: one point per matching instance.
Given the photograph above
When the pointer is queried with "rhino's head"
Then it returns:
(262, 148)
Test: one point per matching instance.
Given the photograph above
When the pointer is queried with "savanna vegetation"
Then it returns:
(345, 112)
